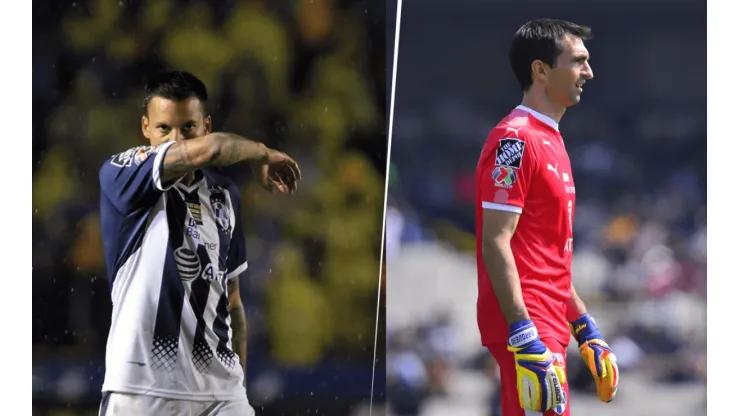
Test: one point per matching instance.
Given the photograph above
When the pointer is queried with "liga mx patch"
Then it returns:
(510, 152)
(124, 159)
(142, 154)
(504, 177)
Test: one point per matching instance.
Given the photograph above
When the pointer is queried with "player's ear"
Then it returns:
(145, 126)
(539, 71)
(207, 124)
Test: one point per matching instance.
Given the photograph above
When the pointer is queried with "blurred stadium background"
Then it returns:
(305, 76)
(637, 144)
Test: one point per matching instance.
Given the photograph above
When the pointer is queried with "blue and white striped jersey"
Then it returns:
(169, 251)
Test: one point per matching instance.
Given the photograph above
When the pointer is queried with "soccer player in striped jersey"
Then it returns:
(175, 248)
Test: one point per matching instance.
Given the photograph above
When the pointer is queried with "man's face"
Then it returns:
(565, 80)
(168, 120)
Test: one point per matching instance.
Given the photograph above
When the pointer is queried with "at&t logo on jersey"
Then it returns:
(189, 266)
(188, 263)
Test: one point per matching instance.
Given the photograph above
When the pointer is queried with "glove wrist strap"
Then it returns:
(522, 333)
(584, 328)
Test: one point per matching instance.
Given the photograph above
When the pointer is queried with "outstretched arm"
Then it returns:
(214, 149)
(274, 170)
(138, 176)
(238, 322)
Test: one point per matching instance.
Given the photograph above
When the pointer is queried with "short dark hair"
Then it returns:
(175, 86)
(540, 39)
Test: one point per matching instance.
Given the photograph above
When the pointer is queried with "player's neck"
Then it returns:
(190, 178)
(541, 104)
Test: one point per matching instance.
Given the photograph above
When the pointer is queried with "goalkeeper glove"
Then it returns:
(599, 358)
(539, 376)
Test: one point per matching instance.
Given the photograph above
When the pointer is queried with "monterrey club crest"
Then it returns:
(220, 208)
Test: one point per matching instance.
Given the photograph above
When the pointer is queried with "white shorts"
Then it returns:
(122, 404)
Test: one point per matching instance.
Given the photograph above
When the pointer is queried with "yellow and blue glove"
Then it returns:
(599, 358)
(540, 377)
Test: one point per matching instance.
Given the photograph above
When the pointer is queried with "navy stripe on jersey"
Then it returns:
(104, 403)
(225, 228)
(129, 238)
(221, 329)
(223, 223)
(200, 290)
(165, 340)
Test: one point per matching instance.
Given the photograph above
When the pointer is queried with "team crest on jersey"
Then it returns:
(510, 153)
(220, 208)
(504, 177)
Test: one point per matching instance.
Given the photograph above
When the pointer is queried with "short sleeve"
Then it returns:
(132, 179)
(507, 173)
(236, 263)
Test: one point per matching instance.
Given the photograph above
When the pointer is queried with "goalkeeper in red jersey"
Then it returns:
(527, 305)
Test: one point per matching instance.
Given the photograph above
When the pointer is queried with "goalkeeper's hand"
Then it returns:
(539, 376)
(598, 356)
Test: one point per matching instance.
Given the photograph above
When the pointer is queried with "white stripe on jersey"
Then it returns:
(501, 207)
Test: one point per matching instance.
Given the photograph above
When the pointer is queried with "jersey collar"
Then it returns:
(199, 178)
(539, 116)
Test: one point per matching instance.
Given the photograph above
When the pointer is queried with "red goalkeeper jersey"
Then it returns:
(524, 168)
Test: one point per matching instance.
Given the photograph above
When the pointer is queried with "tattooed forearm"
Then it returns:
(234, 149)
(176, 162)
(215, 149)
(239, 334)
(238, 323)
(232, 152)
